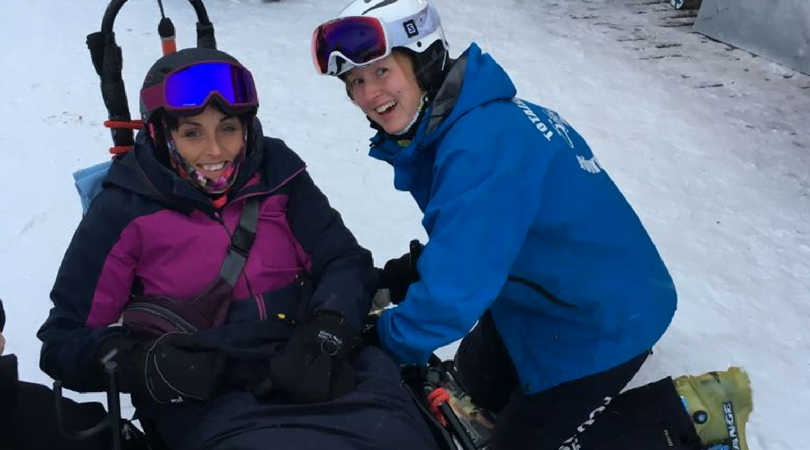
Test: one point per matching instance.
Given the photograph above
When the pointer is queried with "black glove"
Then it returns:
(369, 334)
(399, 273)
(174, 368)
(314, 365)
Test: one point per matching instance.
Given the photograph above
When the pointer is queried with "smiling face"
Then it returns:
(209, 141)
(386, 91)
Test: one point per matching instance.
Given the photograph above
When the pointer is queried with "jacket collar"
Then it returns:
(473, 80)
(142, 173)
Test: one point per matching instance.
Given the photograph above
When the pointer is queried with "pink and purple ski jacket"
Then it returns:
(150, 232)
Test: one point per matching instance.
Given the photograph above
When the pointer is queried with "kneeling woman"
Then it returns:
(216, 274)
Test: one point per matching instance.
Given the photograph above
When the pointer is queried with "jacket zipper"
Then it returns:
(259, 301)
(543, 291)
(267, 191)
(261, 307)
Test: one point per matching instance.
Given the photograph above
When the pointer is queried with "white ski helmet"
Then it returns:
(418, 35)
(413, 25)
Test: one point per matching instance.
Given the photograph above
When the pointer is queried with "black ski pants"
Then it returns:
(379, 414)
(583, 414)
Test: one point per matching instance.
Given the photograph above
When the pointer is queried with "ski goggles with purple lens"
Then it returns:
(359, 40)
(341, 44)
(187, 90)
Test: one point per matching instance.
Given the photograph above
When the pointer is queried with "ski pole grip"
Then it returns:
(113, 402)
(167, 36)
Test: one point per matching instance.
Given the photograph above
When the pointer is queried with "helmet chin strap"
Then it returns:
(406, 131)
(188, 172)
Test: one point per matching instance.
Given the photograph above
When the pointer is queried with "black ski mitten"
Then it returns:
(398, 273)
(369, 336)
(314, 365)
(174, 368)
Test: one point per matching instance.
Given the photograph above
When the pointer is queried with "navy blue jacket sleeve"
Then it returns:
(69, 346)
(343, 271)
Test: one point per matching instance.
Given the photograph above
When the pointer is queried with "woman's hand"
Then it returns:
(398, 273)
(174, 368)
(314, 366)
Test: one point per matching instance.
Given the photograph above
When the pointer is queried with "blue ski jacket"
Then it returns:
(523, 221)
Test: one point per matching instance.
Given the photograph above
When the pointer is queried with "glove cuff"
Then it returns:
(118, 343)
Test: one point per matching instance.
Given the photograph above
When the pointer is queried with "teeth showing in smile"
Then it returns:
(213, 167)
(384, 108)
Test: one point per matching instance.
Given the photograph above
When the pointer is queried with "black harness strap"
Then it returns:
(241, 242)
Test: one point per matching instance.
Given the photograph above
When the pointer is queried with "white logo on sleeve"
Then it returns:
(560, 126)
(589, 165)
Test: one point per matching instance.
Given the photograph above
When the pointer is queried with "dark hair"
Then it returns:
(173, 122)
(395, 51)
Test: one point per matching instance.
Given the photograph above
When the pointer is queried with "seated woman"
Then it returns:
(28, 414)
(218, 277)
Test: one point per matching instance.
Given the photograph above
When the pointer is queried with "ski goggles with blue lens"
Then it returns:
(187, 90)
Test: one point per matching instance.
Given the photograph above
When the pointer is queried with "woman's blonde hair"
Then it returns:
(400, 52)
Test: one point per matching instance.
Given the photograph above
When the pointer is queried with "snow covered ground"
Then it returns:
(710, 144)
